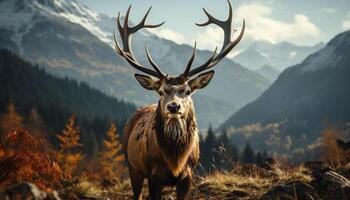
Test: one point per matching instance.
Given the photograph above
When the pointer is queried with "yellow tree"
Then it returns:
(331, 153)
(69, 156)
(11, 119)
(111, 158)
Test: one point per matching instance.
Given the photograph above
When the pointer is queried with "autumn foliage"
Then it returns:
(331, 152)
(11, 119)
(25, 161)
(69, 155)
(111, 159)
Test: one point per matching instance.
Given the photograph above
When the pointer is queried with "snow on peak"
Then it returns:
(16, 14)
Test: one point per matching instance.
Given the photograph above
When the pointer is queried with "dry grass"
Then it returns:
(219, 185)
(235, 185)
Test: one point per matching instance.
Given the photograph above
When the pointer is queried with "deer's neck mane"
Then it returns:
(175, 137)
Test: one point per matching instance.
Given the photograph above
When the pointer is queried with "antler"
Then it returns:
(127, 53)
(226, 47)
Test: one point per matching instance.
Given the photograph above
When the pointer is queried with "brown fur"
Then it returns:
(151, 155)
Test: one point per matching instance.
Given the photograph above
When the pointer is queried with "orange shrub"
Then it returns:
(28, 163)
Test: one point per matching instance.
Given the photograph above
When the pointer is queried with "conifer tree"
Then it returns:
(35, 123)
(207, 154)
(235, 153)
(111, 159)
(259, 158)
(11, 119)
(248, 155)
(69, 155)
(264, 155)
(223, 152)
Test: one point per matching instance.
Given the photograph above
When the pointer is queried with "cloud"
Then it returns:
(346, 22)
(170, 35)
(261, 26)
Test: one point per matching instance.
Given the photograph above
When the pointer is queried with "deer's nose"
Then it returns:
(173, 107)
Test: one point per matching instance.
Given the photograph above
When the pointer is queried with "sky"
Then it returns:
(301, 22)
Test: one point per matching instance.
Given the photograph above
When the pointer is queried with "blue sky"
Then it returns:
(303, 22)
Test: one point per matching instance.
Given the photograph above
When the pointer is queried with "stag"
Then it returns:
(161, 141)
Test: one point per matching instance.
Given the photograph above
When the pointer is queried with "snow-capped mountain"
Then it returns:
(278, 56)
(69, 39)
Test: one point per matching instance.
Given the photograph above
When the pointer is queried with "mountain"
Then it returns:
(301, 102)
(268, 72)
(69, 39)
(278, 56)
(56, 99)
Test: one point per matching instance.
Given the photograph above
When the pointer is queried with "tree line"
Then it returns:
(220, 153)
(30, 88)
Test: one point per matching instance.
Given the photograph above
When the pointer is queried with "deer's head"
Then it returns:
(175, 91)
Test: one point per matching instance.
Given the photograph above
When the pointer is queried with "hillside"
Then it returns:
(268, 72)
(302, 101)
(56, 99)
(69, 39)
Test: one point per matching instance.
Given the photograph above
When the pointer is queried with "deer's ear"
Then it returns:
(148, 82)
(201, 80)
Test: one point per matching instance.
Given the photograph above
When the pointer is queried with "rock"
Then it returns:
(29, 191)
(333, 185)
(296, 190)
(317, 168)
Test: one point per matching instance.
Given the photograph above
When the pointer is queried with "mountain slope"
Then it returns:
(68, 39)
(56, 99)
(305, 96)
(268, 72)
(278, 56)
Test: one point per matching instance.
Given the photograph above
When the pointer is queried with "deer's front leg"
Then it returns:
(155, 188)
(184, 184)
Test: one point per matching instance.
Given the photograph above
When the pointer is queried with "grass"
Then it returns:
(218, 185)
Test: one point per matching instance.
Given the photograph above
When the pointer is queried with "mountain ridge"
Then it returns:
(58, 39)
(303, 100)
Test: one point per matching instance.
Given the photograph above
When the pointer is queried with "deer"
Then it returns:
(161, 141)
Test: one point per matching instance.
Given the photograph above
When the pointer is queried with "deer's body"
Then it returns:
(149, 158)
(161, 141)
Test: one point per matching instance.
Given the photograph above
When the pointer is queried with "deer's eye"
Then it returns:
(188, 92)
(161, 93)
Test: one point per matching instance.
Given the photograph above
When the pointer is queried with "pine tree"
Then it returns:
(207, 155)
(259, 158)
(111, 158)
(11, 119)
(235, 153)
(35, 123)
(265, 155)
(248, 155)
(69, 155)
(223, 152)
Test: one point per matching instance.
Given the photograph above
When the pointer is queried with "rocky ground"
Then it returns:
(311, 181)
